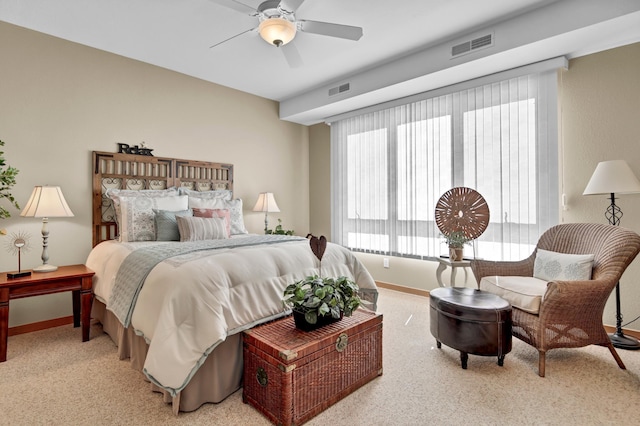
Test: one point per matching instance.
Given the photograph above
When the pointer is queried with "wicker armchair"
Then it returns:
(570, 313)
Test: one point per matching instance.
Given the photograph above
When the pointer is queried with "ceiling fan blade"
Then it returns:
(332, 30)
(292, 55)
(232, 37)
(236, 5)
(290, 5)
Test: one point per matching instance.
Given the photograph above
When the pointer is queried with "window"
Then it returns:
(497, 135)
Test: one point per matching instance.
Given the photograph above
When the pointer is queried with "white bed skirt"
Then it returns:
(219, 376)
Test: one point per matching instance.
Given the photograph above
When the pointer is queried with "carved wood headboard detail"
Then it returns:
(136, 172)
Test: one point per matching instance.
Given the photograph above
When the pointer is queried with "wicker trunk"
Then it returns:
(292, 375)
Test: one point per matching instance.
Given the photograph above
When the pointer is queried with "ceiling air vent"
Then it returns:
(339, 89)
(471, 45)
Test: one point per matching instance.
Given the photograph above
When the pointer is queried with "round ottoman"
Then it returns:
(471, 321)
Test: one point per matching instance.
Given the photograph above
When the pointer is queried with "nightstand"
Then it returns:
(74, 278)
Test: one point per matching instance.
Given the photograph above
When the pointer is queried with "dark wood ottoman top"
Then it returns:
(475, 304)
(471, 321)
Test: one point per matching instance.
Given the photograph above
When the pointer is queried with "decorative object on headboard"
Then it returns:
(123, 148)
(137, 172)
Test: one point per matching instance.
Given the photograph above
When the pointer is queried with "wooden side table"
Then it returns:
(453, 264)
(74, 278)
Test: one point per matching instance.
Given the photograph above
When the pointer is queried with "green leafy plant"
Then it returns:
(279, 231)
(316, 297)
(7, 181)
(456, 239)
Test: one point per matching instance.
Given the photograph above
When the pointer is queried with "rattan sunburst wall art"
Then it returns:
(462, 209)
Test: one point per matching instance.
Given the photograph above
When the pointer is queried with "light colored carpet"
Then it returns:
(52, 378)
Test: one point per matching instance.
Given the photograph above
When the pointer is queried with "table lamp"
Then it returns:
(46, 202)
(266, 203)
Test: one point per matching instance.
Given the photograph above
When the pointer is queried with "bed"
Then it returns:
(178, 277)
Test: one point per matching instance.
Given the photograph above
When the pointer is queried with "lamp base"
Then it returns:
(621, 341)
(45, 268)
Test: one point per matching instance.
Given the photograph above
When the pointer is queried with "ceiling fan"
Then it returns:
(278, 25)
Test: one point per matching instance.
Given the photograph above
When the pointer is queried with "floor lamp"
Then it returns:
(266, 203)
(615, 177)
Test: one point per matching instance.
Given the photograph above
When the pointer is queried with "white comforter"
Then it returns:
(190, 303)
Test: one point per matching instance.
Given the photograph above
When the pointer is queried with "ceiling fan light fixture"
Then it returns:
(277, 31)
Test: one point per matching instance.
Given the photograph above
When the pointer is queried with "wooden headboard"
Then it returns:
(135, 172)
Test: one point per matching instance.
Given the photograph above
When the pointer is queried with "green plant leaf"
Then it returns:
(321, 292)
(335, 312)
(300, 293)
(323, 309)
(312, 302)
(311, 317)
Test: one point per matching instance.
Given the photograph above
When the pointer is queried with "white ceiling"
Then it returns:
(405, 48)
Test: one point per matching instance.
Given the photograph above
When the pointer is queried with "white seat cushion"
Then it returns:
(524, 293)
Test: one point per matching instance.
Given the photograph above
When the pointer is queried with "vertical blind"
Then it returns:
(391, 165)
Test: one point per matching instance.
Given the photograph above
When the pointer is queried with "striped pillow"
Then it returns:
(201, 228)
(223, 213)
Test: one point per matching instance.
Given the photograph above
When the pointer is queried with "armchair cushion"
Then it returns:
(524, 293)
(553, 266)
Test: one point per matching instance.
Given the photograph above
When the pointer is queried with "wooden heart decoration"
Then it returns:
(318, 246)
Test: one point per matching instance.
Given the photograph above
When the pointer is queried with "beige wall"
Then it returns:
(600, 120)
(59, 101)
(599, 99)
(320, 184)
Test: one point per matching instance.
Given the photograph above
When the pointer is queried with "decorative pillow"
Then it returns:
(114, 194)
(201, 228)
(552, 266)
(223, 213)
(234, 207)
(167, 225)
(218, 194)
(137, 219)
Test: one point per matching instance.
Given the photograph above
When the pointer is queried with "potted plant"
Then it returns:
(279, 230)
(7, 180)
(456, 241)
(316, 301)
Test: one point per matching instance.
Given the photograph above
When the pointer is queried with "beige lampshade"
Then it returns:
(46, 201)
(612, 177)
(266, 203)
(277, 31)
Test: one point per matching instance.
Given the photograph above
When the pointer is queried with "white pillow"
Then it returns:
(201, 228)
(115, 192)
(234, 207)
(136, 221)
(552, 266)
(217, 194)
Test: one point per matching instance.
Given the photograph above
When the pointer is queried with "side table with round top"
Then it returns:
(472, 321)
(444, 263)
